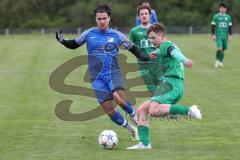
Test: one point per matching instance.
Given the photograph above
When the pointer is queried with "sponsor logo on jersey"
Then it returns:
(145, 43)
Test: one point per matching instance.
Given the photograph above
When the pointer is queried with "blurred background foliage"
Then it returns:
(79, 13)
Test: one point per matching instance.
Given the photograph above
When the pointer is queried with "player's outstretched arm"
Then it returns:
(71, 44)
(138, 53)
(177, 54)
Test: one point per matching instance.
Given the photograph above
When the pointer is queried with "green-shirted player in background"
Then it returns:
(171, 87)
(221, 32)
(150, 71)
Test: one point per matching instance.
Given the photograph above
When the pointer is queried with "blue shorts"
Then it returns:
(105, 86)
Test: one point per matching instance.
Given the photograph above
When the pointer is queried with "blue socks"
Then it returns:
(119, 119)
(128, 108)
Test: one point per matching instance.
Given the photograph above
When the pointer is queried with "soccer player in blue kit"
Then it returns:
(102, 46)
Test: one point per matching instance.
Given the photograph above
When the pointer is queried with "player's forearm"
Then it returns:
(213, 29)
(230, 30)
(71, 44)
(138, 53)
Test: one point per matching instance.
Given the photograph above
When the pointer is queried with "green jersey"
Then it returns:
(222, 23)
(139, 36)
(169, 65)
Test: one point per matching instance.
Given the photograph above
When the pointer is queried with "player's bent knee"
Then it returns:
(143, 108)
(140, 110)
(152, 111)
(122, 103)
(109, 110)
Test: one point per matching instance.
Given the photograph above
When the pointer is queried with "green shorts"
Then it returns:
(222, 43)
(169, 91)
(151, 76)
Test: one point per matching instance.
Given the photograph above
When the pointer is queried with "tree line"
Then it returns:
(79, 13)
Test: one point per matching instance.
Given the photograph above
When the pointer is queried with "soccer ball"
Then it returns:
(108, 139)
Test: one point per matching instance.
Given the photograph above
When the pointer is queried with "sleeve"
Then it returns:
(131, 35)
(80, 40)
(122, 39)
(137, 21)
(230, 21)
(71, 44)
(176, 53)
(138, 53)
(213, 29)
(213, 22)
(154, 15)
(230, 30)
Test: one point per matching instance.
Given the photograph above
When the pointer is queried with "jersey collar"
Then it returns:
(222, 14)
(145, 27)
(104, 30)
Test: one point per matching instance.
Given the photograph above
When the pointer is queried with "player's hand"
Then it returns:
(230, 37)
(213, 37)
(59, 36)
(153, 55)
(188, 63)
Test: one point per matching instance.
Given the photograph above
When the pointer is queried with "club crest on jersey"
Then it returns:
(110, 39)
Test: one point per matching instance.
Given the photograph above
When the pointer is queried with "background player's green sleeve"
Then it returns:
(213, 22)
(131, 36)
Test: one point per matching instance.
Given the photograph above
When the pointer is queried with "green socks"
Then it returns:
(178, 109)
(219, 55)
(144, 137)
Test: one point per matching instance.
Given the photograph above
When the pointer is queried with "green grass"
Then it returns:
(29, 128)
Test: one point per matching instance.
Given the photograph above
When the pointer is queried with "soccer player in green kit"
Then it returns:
(150, 71)
(221, 32)
(170, 89)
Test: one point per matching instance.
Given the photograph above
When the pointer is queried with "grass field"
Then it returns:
(29, 128)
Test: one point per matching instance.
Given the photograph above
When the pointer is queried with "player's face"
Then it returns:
(222, 10)
(144, 16)
(156, 38)
(102, 20)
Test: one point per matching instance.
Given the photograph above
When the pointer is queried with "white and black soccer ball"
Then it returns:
(108, 139)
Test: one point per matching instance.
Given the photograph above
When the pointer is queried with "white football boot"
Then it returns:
(195, 112)
(140, 146)
(220, 64)
(216, 64)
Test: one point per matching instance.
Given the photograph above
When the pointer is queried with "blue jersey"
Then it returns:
(153, 18)
(101, 62)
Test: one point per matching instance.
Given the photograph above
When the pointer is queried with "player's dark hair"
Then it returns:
(102, 8)
(222, 5)
(157, 28)
(143, 7)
